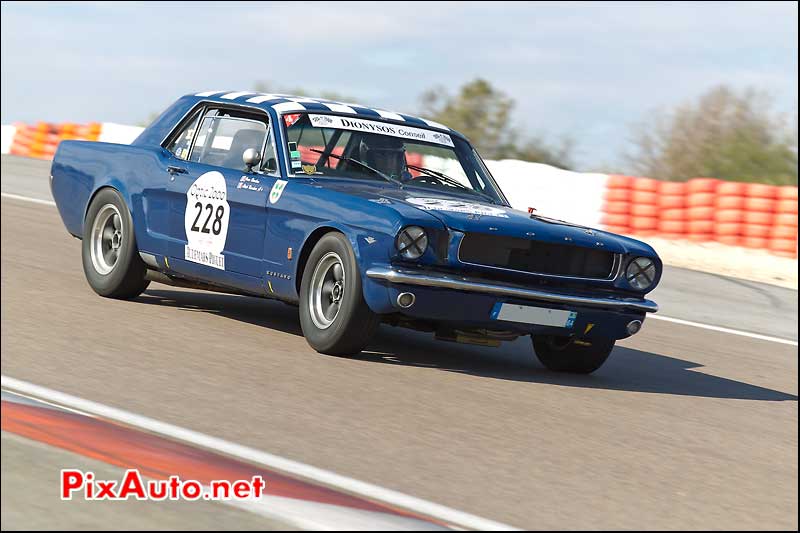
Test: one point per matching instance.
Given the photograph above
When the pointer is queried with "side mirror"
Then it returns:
(251, 158)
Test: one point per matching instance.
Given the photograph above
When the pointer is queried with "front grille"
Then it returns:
(536, 257)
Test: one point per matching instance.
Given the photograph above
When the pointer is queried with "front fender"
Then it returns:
(369, 246)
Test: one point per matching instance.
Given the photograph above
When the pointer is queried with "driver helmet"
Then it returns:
(383, 153)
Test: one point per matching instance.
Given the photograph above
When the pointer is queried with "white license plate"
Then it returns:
(539, 316)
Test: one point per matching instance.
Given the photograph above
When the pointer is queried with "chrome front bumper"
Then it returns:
(461, 283)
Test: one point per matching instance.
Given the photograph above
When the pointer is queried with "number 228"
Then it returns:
(216, 226)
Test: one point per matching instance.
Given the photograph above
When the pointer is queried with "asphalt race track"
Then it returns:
(684, 427)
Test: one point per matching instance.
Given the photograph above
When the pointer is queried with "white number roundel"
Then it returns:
(206, 219)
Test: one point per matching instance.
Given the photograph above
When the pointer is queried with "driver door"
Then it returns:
(218, 208)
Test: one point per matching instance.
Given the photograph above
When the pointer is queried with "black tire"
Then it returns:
(126, 277)
(559, 354)
(354, 324)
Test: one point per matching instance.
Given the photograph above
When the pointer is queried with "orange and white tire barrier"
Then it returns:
(783, 232)
(644, 206)
(672, 210)
(617, 204)
(700, 195)
(40, 140)
(752, 215)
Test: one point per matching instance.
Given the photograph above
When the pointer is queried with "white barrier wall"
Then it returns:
(6, 138)
(575, 197)
(119, 133)
(572, 196)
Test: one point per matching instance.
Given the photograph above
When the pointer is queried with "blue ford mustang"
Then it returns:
(357, 215)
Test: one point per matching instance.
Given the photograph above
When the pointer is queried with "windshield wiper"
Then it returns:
(451, 181)
(361, 163)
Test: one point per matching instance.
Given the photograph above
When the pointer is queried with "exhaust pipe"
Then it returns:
(634, 326)
(406, 299)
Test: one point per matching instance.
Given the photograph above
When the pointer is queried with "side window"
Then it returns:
(180, 145)
(222, 140)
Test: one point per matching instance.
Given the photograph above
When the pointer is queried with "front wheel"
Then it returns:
(333, 314)
(562, 354)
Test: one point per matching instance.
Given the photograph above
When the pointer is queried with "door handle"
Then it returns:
(176, 170)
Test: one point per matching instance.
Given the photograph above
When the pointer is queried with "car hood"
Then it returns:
(469, 214)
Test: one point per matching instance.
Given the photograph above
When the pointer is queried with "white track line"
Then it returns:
(723, 330)
(325, 477)
(302, 514)
(28, 199)
(654, 317)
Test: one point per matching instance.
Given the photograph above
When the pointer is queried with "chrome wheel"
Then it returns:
(106, 239)
(327, 289)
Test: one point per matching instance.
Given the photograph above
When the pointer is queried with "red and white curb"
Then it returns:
(297, 494)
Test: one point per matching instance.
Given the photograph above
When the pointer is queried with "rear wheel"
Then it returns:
(563, 354)
(333, 314)
(111, 259)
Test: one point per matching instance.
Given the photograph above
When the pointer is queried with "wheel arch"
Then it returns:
(311, 241)
(114, 186)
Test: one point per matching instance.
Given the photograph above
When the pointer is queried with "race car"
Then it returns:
(359, 216)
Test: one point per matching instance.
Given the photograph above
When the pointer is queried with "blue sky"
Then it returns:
(588, 71)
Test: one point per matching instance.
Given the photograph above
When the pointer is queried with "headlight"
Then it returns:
(641, 273)
(412, 242)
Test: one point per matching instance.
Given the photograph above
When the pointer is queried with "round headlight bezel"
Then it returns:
(641, 273)
(412, 242)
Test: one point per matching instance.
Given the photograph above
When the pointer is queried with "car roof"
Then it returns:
(285, 103)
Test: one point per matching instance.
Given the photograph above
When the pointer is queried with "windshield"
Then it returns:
(406, 156)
